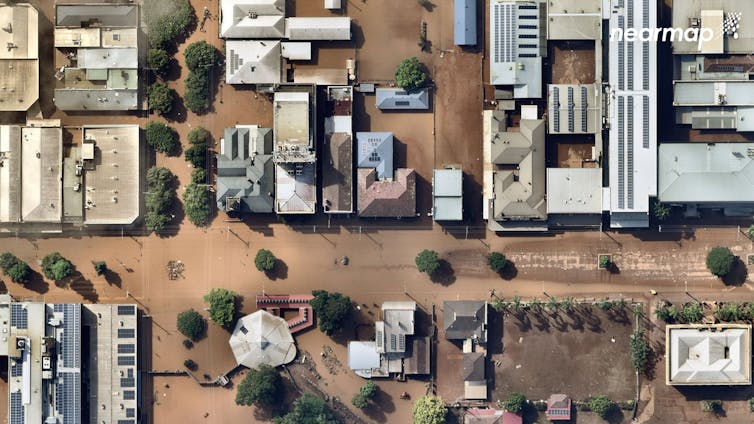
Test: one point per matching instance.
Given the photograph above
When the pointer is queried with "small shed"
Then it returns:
(558, 408)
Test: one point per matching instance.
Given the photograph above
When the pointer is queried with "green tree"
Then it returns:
(308, 409)
(411, 74)
(730, 312)
(15, 268)
(160, 198)
(640, 351)
(260, 387)
(369, 390)
(427, 261)
(196, 95)
(7, 260)
(56, 267)
(750, 234)
(429, 410)
(667, 313)
(552, 304)
(197, 155)
(222, 306)
(601, 405)
(190, 364)
(167, 20)
(515, 402)
(191, 324)
(100, 267)
(197, 204)
(161, 137)
(358, 400)
(156, 222)
(198, 135)
(332, 310)
(692, 312)
(661, 211)
(604, 261)
(497, 261)
(720, 261)
(200, 56)
(160, 98)
(264, 260)
(158, 61)
(199, 176)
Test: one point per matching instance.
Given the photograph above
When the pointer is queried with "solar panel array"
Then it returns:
(126, 421)
(126, 310)
(584, 127)
(556, 109)
(235, 60)
(630, 67)
(621, 57)
(126, 333)
(126, 348)
(630, 153)
(126, 360)
(71, 335)
(570, 109)
(68, 397)
(17, 413)
(16, 369)
(645, 122)
(621, 151)
(504, 19)
(19, 316)
(129, 394)
(630, 14)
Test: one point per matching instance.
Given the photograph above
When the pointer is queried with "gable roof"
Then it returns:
(388, 199)
(252, 62)
(70, 15)
(376, 151)
(465, 319)
(245, 170)
(397, 98)
(473, 366)
(252, 19)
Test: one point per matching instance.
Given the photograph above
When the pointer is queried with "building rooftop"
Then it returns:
(517, 46)
(632, 154)
(252, 18)
(491, 416)
(573, 109)
(558, 408)
(328, 28)
(683, 13)
(386, 198)
(447, 195)
(701, 355)
(363, 358)
(706, 173)
(262, 338)
(111, 185)
(337, 175)
(473, 366)
(465, 319)
(574, 190)
(464, 22)
(295, 188)
(245, 174)
(574, 20)
(398, 322)
(515, 169)
(375, 150)
(252, 62)
(19, 63)
(111, 58)
(102, 15)
(293, 138)
(399, 99)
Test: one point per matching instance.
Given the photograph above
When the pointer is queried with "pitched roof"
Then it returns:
(106, 15)
(375, 150)
(558, 408)
(262, 338)
(389, 199)
(252, 62)
(473, 366)
(465, 319)
(252, 18)
(245, 170)
(337, 184)
(490, 416)
(397, 98)
(318, 28)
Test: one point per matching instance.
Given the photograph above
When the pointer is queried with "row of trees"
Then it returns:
(687, 313)
(160, 198)
(428, 261)
(54, 267)
(197, 200)
(201, 58)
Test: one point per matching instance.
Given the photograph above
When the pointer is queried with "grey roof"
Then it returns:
(574, 20)
(337, 184)
(683, 11)
(375, 150)
(106, 15)
(574, 190)
(465, 319)
(108, 58)
(72, 99)
(464, 22)
(398, 320)
(318, 28)
(399, 99)
(706, 173)
(252, 62)
(473, 366)
(245, 174)
(713, 93)
(447, 187)
(252, 18)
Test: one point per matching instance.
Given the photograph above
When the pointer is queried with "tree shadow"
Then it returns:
(509, 272)
(380, 406)
(524, 323)
(113, 278)
(612, 268)
(615, 415)
(278, 271)
(82, 286)
(427, 5)
(445, 274)
(738, 273)
(37, 283)
(178, 111)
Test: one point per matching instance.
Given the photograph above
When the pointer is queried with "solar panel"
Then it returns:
(127, 382)
(19, 316)
(126, 333)
(127, 348)
(71, 336)
(645, 13)
(126, 360)
(645, 122)
(630, 153)
(17, 413)
(583, 110)
(621, 58)
(126, 421)
(126, 310)
(129, 394)
(130, 412)
(630, 66)
(621, 146)
(16, 369)
(556, 108)
(68, 397)
(630, 14)
(570, 109)
(645, 63)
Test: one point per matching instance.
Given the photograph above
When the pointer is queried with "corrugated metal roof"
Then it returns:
(464, 23)
(335, 28)
(397, 98)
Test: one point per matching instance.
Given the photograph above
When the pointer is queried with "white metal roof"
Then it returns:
(708, 355)
(252, 62)
(574, 190)
(330, 28)
(262, 338)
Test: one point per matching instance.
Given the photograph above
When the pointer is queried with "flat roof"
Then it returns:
(632, 151)
(291, 119)
(464, 22)
(96, 99)
(10, 173)
(327, 28)
(706, 173)
(23, 22)
(41, 172)
(447, 190)
(708, 355)
(574, 20)
(253, 62)
(684, 11)
(574, 109)
(108, 58)
(574, 190)
(713, 93)
(112, 193)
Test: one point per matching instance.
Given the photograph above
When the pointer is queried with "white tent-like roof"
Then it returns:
(262, 338)
(708, 355)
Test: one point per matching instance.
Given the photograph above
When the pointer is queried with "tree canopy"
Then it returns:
(160, 198)
(167, 20)
(497, 261)
(427, 261)
(720, 261)
(429, 410)
(197, 155)
(308, 409)
(162, 137)
(411, 74)
(515, 402)
(15, 268)
(260, 387)
(200, 56)
(100, 267)
(265, 260)
(197, 204)
(222, 306)
(198, 135)
(196, 95)
(640, 350)
(158, 60)
(160, 98)
(601, 405)
(191, 324)
(56, 267)
(199, 176)
(332, 309)
(369, 390)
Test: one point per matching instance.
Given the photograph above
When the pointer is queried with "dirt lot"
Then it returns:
(572, 62)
